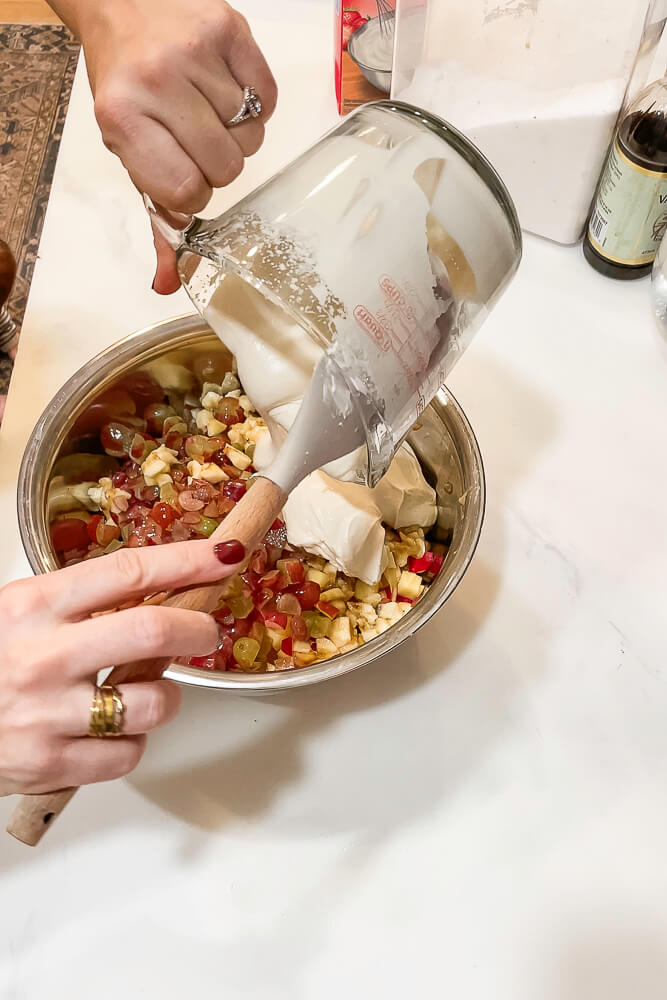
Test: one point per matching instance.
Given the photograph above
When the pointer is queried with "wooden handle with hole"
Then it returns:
(247, 523)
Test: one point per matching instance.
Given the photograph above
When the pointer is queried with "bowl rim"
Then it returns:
(363, 65)
(188, 327)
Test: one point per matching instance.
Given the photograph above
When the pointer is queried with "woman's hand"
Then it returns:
(51, 650)
(166, 75)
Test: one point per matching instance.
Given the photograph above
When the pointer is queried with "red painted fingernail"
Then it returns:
(229, 553)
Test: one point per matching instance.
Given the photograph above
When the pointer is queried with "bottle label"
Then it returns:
(630, 213)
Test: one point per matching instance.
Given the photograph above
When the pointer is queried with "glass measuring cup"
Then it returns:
(385, 245)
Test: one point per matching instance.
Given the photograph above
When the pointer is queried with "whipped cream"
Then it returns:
(343, 521)
(339, 521)
(374, 47)
(403, 496)
(334, 518)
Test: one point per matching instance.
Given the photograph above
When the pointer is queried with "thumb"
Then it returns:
(166, 280)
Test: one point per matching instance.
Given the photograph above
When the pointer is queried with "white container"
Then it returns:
(536, 84)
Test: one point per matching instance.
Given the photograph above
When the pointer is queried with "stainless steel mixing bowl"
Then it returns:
(444, 443)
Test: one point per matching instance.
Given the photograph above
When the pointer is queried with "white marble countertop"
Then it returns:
(482, 815)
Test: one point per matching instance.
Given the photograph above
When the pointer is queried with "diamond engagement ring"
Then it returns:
(251, 107)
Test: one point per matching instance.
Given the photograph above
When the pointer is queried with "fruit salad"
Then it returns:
(166, 459)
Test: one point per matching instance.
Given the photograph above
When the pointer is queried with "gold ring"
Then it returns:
(107, 712)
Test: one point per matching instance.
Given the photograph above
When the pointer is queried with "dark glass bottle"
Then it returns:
(629, 215)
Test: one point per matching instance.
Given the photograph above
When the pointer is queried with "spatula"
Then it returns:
(328, 427)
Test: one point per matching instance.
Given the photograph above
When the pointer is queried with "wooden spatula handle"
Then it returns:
(247, 523)
(34, 814)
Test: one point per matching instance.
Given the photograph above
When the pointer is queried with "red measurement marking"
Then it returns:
(396, 295)
(370, 325)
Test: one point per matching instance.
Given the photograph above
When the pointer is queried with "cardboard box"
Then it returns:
(352, 87)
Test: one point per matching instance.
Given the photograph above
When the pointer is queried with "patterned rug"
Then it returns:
(37, 64)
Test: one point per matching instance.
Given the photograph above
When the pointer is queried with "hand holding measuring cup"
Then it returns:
(170, 82)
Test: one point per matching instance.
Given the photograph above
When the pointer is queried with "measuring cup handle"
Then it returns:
(170, 225)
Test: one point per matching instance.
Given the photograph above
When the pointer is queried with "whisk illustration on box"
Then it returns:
(386, 13)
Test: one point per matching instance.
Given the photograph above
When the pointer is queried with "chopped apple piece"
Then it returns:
(316, 576)
(335, 594)
(202, 418)
(401, 554)
(341, 631)
(210, 400)
(305, 659)
(364, 591)
(237, 458)
(299, 646)
(209, 472)
(409, 585)
(326, 648)
(390, 611)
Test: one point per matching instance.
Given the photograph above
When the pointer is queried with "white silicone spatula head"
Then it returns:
(328, 426)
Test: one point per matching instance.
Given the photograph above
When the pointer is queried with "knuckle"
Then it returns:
(242, 23)
(45, 761)
(255, 140)
(150, 72)
(269, 96)
(190, 194)
(130, 570)
(232, 167)
(28, 674)
(17, 602)
(199, 44)
(158, 707)
(152, 629)
(230, 25)
(113, 111)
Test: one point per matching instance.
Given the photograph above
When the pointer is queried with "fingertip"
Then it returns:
(166, 280)
(208, 637)
(164, 285)
(230, 553)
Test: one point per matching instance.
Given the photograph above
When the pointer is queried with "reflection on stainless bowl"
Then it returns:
(443, 442)
(371, 49)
